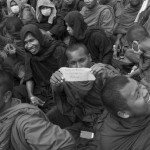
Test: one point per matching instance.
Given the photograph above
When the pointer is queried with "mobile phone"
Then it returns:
(87, 135)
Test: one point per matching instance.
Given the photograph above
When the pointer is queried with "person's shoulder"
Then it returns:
(25, 115)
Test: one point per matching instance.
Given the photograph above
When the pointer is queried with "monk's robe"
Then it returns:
(117, 134)
(126, 21)
(25, 127)
(100, 16)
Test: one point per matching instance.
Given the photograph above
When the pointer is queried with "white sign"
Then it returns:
(77, 74)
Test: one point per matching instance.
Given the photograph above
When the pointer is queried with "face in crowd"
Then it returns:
(137, 99)
(45, 11)
(69, 29)
(79, 59)
(90, 3)
(14, 7)
(31, 44)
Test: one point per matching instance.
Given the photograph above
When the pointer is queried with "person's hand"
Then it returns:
(56, 78)
(43, 31)
(10, 49)
(36, 101)
(97, 68)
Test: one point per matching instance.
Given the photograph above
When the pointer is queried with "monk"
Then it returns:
(126, 21)
(98, 15)
(78, 101)
(127, 123)
(25, 127)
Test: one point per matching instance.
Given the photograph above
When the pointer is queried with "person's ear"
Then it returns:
(123, 114)
(90, 58)
(7, 96)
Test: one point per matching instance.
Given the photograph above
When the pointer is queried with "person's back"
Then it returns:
(23, 126)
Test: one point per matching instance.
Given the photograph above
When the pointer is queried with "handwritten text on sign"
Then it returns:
(77, 74)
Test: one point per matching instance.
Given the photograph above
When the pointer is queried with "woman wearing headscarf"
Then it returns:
(22, 10)
(98, 44)
(49, 21)
(43, 57)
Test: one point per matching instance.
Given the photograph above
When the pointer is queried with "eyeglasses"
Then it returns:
(135, 47)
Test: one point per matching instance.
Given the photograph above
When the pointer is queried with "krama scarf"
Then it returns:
(41, 66)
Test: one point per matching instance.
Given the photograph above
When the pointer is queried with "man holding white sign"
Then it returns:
(76, 89)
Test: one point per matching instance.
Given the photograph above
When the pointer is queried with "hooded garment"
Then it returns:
(99, 46)
(114, 133)
(47, 3)
(40, 67)
(26, 127)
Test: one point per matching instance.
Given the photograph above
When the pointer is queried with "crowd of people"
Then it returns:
(39, 110)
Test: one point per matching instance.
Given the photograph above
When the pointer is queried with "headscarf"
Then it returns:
(34, 30)
(76, 22)
(47, 3)
(18, 2)
(41, 66)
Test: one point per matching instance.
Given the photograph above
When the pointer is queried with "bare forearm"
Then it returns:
(119, 36)
(30, 87)
(136, 72)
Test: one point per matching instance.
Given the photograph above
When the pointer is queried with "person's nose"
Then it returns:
(29, 45)
(67, 28)
(78, 65)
